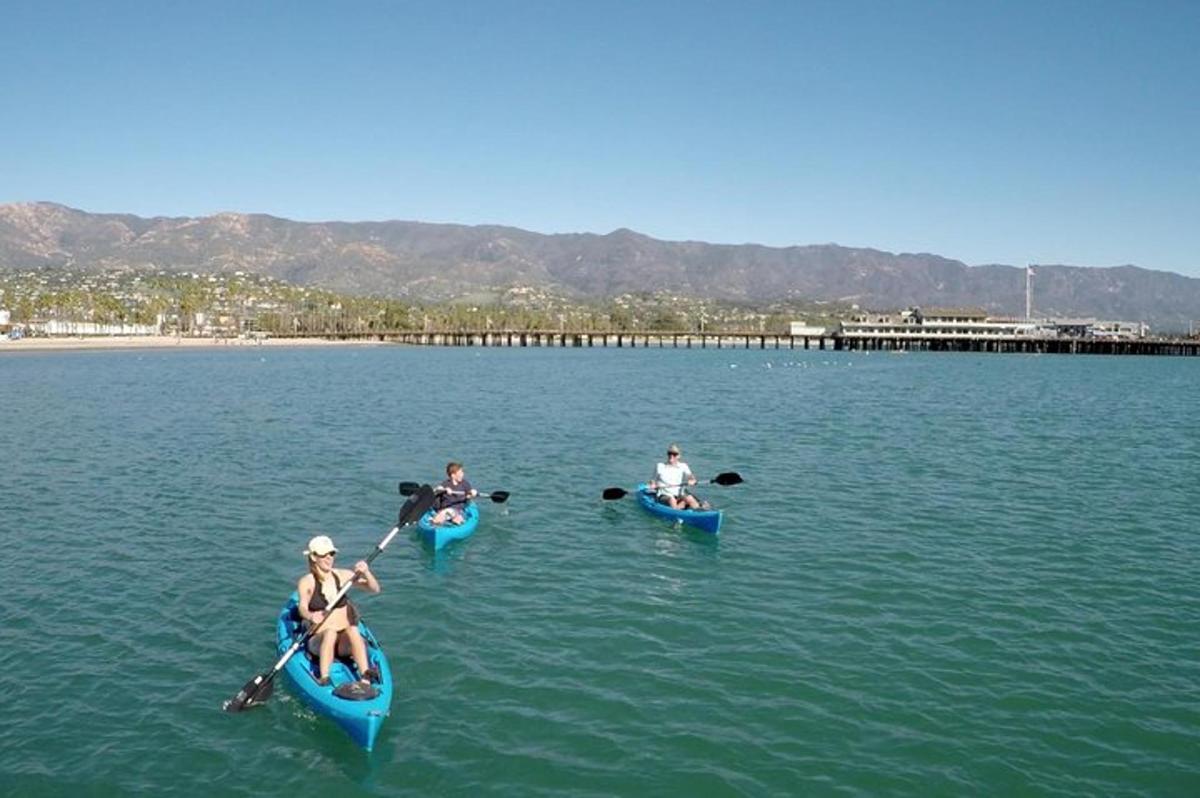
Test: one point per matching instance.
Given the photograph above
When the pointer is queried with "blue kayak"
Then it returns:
(704, 520)
(439, 536)
(361, 719)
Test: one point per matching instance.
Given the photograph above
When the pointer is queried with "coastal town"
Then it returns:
(142, 304)
(127, 301)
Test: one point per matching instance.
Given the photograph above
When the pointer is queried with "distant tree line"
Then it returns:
(232, 304)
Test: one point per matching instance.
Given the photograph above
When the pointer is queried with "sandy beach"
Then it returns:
(105, 343)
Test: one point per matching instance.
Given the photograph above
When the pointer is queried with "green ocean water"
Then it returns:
(945, 574)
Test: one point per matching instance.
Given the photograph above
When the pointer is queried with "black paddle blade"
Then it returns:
(416, 506)
(499, 496)
(254, 692)
(409, 488)
(614, 493)
(406, 510)
(728, 478)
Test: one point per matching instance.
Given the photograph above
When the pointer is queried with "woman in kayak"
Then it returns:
(669, 480)
(339, 633)
(453, 493)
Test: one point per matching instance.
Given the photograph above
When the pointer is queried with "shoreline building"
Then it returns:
(803, 328)
(52, 327)
(950, 324)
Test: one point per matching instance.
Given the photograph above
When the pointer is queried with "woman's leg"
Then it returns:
(328, 642)
(358, 649)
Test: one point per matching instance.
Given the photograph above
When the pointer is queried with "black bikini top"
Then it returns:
(317, 601)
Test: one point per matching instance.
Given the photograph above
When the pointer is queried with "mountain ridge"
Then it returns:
(441, 261)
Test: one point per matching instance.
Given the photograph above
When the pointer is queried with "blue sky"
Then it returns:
(1043, 132)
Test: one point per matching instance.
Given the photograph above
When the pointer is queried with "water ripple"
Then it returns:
(943, 574)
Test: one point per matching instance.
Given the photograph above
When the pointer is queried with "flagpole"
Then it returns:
(1028, 292)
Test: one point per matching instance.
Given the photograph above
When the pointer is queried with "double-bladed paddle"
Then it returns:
(498, 496)
(726, 478)
(259, 689)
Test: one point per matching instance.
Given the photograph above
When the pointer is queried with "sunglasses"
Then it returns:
(672, 454)
(326, 554)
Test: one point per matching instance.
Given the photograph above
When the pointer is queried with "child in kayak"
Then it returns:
(453, 493)
(317, 589)
(669, 481)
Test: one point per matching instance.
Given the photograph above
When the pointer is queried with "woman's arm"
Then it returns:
(364, 578)
(305, 588)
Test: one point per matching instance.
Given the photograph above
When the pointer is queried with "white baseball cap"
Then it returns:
(320, 546)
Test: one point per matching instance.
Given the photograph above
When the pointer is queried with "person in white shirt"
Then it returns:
(669, 481)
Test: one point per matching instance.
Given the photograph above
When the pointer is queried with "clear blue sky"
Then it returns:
(990, 132)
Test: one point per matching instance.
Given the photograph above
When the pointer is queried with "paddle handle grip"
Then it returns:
(383, 544)
(478, 494)
(699, 481)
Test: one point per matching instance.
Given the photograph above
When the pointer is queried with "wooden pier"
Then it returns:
(618, 340)
(1185, 347)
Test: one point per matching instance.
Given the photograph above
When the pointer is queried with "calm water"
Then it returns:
(945, 574)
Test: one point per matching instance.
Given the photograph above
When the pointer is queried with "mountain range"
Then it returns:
(438, 262)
